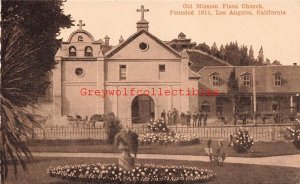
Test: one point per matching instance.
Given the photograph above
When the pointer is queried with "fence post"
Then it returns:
(221, 130)
(273, 133)
(44, 134)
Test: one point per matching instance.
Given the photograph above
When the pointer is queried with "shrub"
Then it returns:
(141, 174)
(242, 142)
(294, 135)
(158, 126)
(168, 138)
(112, 126)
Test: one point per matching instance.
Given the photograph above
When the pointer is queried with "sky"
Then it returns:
(278, 34)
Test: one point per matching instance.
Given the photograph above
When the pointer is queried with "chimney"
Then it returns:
(121, 40)
(294, 64)
(106, 39)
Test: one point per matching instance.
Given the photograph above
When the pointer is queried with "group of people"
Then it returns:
(197, 118)
(170, 117)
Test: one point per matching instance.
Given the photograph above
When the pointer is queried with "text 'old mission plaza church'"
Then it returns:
(146, 75)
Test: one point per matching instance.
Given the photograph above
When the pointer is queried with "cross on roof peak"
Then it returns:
(142, 10)
(80, 24)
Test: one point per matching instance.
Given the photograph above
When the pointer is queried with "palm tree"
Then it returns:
(29, 44)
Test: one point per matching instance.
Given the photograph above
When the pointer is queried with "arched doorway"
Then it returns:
(205, 107)
(142, 109)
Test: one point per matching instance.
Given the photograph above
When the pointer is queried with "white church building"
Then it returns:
(145, 75)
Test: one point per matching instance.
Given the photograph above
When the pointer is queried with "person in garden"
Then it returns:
(182, 118)
(169, 117)
(230, 141)
(163, 115)
(205, 117)
(195, 117)
(188, 118)
(174, 116)
(200, 116)
(220, 154)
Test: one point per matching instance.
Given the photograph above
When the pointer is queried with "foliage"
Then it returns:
(112, 126)
(158, 126)
(168, 138)
(204, 47)
(242, 142)
(111, 173)
(28, 47)
(235, 54)
(294, 135)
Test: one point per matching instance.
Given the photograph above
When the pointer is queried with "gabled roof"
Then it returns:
(214, 73)
(200, 59)
(277, 73)
(245, 73)
(135, 35)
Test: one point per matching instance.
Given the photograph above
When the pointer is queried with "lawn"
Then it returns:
(259, 149)
(228, 174)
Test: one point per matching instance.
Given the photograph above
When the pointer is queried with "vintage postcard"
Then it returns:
(150, 92)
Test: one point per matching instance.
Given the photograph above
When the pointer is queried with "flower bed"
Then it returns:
(111, 173)
(294, 135)
(242, 141)
(168, 138)
(158, 126)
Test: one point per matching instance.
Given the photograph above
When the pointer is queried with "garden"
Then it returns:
(160, 140)
(160, 136)
(229, 173)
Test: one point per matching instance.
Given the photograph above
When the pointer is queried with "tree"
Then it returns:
(204, 47)
(267, 62)
(276, 62)
(29, 44)
(251, 59)
(214, 50)
(222, 52)
(260, 57)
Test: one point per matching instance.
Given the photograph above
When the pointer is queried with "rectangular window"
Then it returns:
(246, 80)
(122, 72)
(215, 80)
(278, 80)
(162, 72)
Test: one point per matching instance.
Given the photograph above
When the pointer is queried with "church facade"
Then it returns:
(136, 80)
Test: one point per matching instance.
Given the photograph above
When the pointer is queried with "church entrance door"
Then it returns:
(142, 109)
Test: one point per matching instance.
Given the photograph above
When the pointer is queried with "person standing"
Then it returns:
(174, 116)
(169, 117)
(195, 117)
(205, 117)
(200, 116)
(182, 118)
(163, 115)
(188, 118)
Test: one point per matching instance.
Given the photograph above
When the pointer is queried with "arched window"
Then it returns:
(205, 107)
(72, 51)
(88, 51)
(80, 39)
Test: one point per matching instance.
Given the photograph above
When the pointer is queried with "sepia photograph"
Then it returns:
(150, 92)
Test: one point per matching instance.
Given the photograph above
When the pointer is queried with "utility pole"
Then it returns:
(254, 95)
